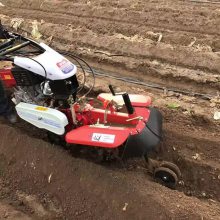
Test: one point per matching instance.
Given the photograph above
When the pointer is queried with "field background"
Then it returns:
(173, 45)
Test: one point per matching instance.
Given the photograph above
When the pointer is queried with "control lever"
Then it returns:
(126, 99)
(112, 90)
(128, 104)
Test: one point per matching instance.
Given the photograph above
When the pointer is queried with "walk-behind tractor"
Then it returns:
(48, 94)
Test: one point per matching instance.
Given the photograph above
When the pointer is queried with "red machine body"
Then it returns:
(7, 77)
(105, 127)
(110, 127)
(110, 134)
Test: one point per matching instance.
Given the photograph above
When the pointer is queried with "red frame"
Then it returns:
(117, 126)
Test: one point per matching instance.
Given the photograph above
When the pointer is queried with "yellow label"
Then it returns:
(40, 108)
(7, 77)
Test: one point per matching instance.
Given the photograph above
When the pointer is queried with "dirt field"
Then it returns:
(167, 43)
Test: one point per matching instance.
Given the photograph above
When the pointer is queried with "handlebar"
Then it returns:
(32, 42)
(6, 44)
(15, 48)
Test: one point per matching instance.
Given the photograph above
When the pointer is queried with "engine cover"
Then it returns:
(43, 117)
(50, 64)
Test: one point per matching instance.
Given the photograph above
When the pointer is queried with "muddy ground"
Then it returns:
(173, 44)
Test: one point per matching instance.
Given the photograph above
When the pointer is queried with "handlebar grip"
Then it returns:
(128, 104)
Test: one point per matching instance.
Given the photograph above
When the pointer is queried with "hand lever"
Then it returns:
(112, 90)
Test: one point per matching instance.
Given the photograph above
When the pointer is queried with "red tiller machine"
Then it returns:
(46, 93)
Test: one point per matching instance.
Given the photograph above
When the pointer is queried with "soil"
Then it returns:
(174, 44)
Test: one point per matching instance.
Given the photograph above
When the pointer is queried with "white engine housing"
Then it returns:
(57, 66)
(43, 117)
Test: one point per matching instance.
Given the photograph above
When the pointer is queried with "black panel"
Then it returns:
(62, 89)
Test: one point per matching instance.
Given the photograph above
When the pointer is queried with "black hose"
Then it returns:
(154, 86)
(41, 66)
(44, 72)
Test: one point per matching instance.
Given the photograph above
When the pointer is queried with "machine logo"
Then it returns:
(104, 138)
(65, 66)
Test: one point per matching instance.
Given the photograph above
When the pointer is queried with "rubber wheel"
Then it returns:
(166, 177)
(172, 167)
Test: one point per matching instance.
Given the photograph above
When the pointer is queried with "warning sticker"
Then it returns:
(65, 66)
(103, 138)
(7, 77)
(41, 108)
